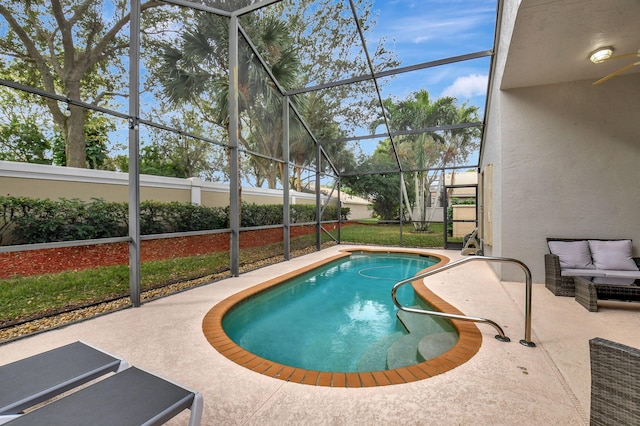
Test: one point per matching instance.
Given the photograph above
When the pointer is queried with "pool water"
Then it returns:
(338, 317)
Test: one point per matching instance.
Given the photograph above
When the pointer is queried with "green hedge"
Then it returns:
(161, 218)
(28, 221)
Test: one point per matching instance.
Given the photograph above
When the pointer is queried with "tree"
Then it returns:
(302, 42)
(70, 48)
(96, 136)
(22, 140)
(328, 45)
(196, 73)
(302, 148)
(424, 151)
(175, 154)
(378, 180)
(24, 135)
(329, 48)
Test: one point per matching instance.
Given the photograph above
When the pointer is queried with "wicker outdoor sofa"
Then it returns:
(559, 274)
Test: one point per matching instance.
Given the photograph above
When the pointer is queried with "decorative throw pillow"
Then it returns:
(572, 254)
(613, 254)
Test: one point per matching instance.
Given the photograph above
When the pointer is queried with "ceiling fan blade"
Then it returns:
(613, 74)
(628, 55)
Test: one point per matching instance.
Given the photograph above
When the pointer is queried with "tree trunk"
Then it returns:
(438, 195)
(405, 198)
(298, 179)
(272, 177)
(75, 148)
(423, 225)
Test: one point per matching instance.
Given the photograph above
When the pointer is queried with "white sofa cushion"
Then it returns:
(612, 254)
(573, 272)
(572, 254)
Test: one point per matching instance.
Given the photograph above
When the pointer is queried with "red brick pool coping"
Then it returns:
(467, 346)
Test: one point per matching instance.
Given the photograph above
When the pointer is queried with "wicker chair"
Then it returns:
(615, 383)
(554, 281)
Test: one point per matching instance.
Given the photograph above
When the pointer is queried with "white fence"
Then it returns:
(43, 181)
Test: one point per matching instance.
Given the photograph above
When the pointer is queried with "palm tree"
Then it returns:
(195, 73)
(424, 151)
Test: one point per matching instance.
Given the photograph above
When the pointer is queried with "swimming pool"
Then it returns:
(336, 318)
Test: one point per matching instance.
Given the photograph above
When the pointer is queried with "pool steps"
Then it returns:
(425, 340)
(436, 344)
(442, 314)
(375, 357)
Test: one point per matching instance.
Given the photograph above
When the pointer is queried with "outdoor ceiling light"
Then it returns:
(601, 54)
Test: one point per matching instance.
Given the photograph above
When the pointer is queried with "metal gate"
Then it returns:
(460, 214)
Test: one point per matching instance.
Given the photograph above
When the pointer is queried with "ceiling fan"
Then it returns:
(604, 54)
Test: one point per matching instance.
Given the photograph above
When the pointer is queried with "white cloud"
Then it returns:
(433, 22)
(467, 86)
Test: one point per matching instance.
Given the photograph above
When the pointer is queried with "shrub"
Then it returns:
(28, 221)
(107, 219)
(151, 217)
(159, 218)
(190, 217)
(302, 213)
(261, 215)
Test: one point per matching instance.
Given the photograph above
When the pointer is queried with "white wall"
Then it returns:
(566, 164)
(570, 166)
(492, 147)
(45, 181)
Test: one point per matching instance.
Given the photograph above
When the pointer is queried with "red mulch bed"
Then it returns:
(37, 262)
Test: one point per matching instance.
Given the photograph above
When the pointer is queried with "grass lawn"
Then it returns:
(36, 296)
(389, 235)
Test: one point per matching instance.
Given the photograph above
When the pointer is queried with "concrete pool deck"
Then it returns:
(503, 384)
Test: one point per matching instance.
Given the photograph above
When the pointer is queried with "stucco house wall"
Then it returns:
(491, 154)
(565, 162)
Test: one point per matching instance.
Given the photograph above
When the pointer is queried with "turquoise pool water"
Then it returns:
(338, 317)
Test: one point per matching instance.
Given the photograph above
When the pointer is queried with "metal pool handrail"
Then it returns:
(501, 336)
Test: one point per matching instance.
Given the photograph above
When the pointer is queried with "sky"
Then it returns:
(420, 31)
(426, 30)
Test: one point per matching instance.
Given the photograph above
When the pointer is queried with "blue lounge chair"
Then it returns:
(32, 380)
(132, 397)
